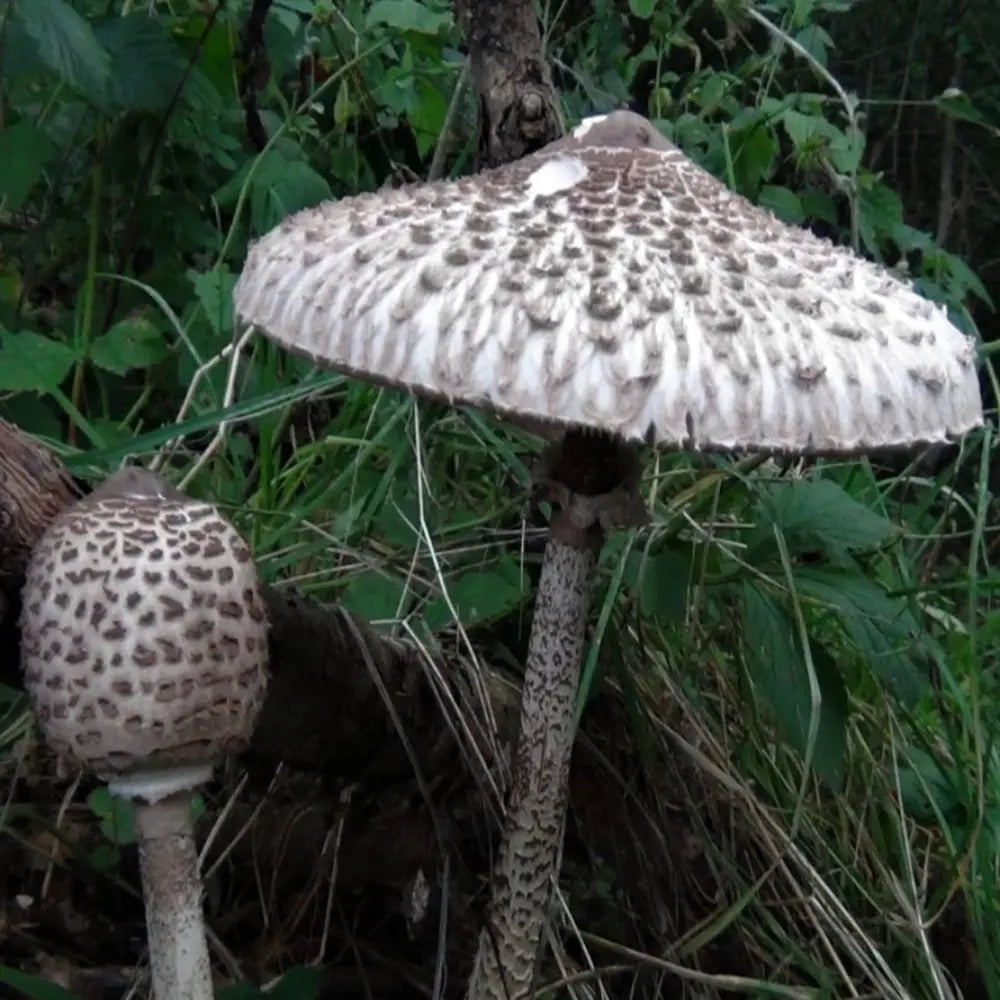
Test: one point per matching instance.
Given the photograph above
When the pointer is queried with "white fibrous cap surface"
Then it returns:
(608, 282)
(144, 635)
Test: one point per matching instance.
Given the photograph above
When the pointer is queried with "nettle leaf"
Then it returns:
(281, 186)
(478, 596)
(882, 628)
(958, 104)
(66, 45)
(642, 8)
(813, 134)
(215, 293)
(880, 212)
(753, 157)
(818, 514)
(408, 15)
(31, 362)
(24, 151)
(148, 66)
(784, 202)
(779, 673)
(816, 42)
(802, 129)
(131, 343)
(374, 596)
(819, 205)
(711, 91)
(846, 149)
(427, 118)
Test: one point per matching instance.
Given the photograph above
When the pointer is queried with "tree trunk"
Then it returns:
(518, 106)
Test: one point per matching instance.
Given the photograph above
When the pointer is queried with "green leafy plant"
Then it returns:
(836, 732)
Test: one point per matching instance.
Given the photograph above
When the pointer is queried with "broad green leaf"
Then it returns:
(398, 523)
(24, 151)
(30, 362)
(958, 278)
(215, 293)
(816, 42)
(754, 151)
(67, 45)
(241, 991)
(300, 983)
(397, 89)
(374, 596)
(663, 586)
(925, 791)
(642, 8)
(813, 135)
(279, 187)
(846, 149)
(801, 12)
(427, 118)
(131, 343)
(711, 91)
(104, 858)
(408, 15)
(148, 66)
(801, 128)
(818, 514)
(882, 628)
(880, 211)
(783, 202)
(819, 205)
(116, 815)
(38, 415)
(958, 104)
(780, 674)
(32, 986)
(478, 596)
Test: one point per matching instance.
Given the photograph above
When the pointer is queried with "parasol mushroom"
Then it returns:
(612, 292)
(144, 647)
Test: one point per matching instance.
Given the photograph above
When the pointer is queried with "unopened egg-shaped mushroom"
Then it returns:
(144, 635)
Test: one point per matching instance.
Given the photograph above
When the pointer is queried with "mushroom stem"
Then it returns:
(522, 882)
(171, 884)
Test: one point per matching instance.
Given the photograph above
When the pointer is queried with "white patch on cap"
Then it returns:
(586, 125)
(556, 175)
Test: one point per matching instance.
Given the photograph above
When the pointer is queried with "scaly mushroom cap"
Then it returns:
(608, 282)
(144, 637)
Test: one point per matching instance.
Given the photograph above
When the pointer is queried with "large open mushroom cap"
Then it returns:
(144, 636)
(608, 282)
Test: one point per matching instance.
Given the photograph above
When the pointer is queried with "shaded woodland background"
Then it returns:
(141, 145)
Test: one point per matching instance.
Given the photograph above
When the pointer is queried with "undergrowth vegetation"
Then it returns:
(792, 679)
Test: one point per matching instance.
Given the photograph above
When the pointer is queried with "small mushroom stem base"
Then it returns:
(171, 888)
(509, 942)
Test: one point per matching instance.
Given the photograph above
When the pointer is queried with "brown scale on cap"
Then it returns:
(144, 636)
